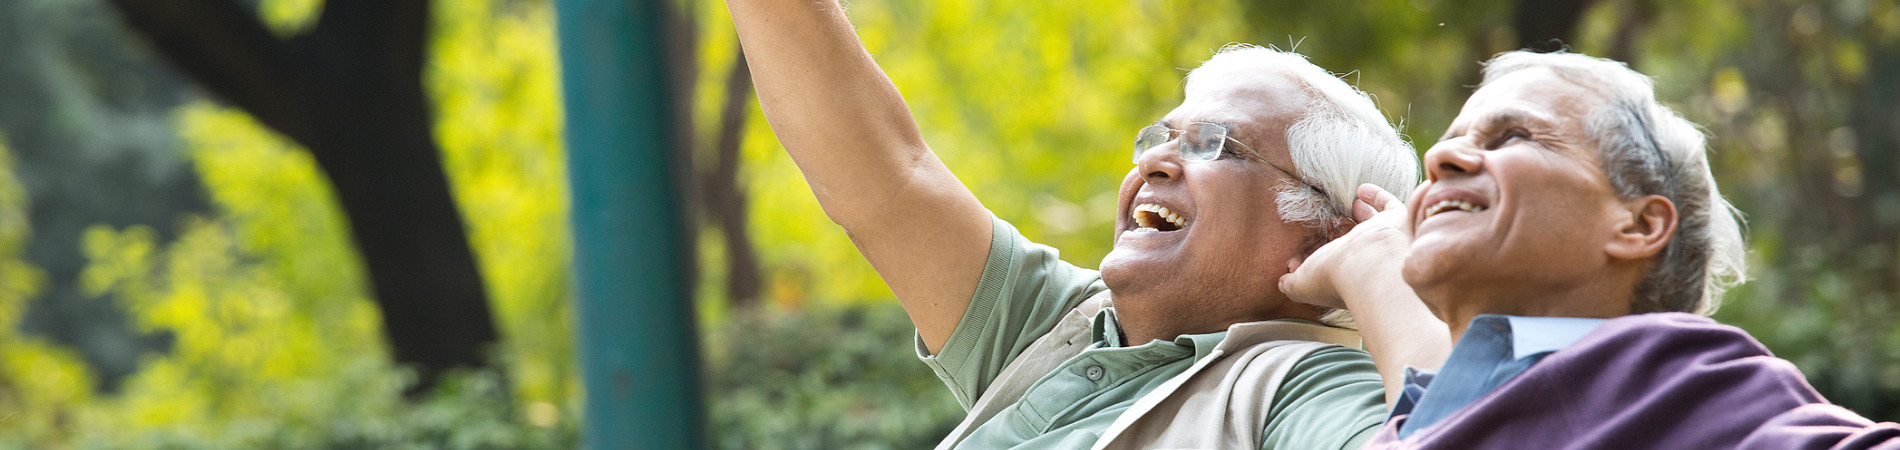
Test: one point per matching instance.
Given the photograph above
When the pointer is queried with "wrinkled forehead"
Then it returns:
(1259, 103)
(1538, 91)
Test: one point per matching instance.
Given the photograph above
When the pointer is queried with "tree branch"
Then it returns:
(1548, 25)
(392, 32)
(229, 52)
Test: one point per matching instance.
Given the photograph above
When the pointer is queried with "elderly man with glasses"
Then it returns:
(1571, 234)
(1182, 339)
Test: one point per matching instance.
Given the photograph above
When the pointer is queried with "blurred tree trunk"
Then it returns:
(1547, 25)
(726, 198)
(1635, 15)
(1875, 119)
(711, 182)
(350, 90)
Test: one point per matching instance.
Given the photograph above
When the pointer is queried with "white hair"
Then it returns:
(1340, 142)
(1649, 149)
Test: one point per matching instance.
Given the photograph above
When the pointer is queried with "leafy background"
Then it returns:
(245, 320)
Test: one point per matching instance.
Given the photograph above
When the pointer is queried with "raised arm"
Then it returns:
(1361, 272)
(851, 134)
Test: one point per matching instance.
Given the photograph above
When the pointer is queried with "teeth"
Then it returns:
(1145, 221)
(1447, 205)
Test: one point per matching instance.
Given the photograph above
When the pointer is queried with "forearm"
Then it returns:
(838, 115)
(1398, 329)
(849, 131)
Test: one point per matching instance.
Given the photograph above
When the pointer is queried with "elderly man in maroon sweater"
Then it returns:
(1570, 235)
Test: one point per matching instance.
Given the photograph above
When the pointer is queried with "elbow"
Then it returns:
(853, 212)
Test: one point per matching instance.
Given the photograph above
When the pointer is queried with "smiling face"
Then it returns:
(1199, 245)
(1516, 212)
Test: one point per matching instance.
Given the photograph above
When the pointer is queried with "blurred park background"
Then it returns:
(309, 224)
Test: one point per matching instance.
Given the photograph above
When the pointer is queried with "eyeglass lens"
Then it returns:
(1200, 141)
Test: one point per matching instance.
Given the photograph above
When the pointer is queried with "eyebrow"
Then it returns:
(1504, 119)
(1231, 127)
(1233, 130)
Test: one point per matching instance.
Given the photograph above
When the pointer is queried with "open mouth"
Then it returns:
(1156, 218)
(1452, 205)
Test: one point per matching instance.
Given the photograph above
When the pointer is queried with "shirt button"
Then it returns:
(1094, 373)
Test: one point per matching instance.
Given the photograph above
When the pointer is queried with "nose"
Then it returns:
(1161, 163)
(1452, 158)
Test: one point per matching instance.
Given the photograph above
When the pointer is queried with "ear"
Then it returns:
(1317, 237)
(1644, 229)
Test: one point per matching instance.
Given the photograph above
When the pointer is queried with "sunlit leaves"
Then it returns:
(289, 17)
(261, 302)
(492, 75)
(40, 382)
(274, 341)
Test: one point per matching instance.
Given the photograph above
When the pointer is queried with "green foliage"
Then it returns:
(39, 382)
(272, 349)
(275, 342)
(823, 377)
(362, 407)
(492, 75)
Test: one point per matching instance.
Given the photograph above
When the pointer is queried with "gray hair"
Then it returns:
(1649, 149)
(1341, 141)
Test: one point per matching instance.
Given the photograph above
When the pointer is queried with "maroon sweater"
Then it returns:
(1664, 381)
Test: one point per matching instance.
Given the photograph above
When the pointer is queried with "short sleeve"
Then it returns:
(1024, 291)
(1332, 399)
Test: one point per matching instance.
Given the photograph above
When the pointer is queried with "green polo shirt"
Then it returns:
(1332, 399)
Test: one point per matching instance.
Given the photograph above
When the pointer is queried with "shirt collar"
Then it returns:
(1202, 344)
(1107, 329)
(1493, 350)
(1533, 335)
(1529, 336)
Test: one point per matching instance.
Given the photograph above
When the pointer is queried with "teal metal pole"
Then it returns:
(634, 318)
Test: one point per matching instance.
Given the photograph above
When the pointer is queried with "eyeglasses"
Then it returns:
(1203, 141)
(1200, 141)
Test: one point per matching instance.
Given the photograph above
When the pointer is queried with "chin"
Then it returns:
(1114, 270)
(1430, 282)
(1422, 276)
(1123, 273)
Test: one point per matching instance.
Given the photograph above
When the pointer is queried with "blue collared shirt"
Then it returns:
(1494, 350)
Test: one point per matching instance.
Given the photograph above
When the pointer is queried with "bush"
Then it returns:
(827, 377)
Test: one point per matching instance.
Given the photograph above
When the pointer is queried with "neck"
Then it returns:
(1140, 325)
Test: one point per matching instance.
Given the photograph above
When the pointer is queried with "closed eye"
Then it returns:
(1507, 136)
